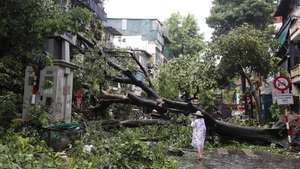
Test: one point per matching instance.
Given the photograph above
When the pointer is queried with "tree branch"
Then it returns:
(142, 67)
(119, 80)
(132, 54)
(136, 82)
(132, 123)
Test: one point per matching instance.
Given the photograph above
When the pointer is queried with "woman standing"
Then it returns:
(199, 130)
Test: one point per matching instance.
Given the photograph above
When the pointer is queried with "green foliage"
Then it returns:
(184, 35)
(228, 14)
(228, 95)
(194, 74)
(40, 116)
(243, 50)
(25, 150)
(24, 27)
(78, 19)
(9, 108)
(248, 123)
(276, 112)
(118, 148)
(23, 31)
(11, 75)
(122, 148)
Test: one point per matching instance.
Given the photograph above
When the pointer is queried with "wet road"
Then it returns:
(238, 159)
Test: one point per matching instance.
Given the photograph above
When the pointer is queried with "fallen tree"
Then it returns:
(154, 101)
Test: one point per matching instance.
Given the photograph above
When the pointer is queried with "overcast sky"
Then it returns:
(160, 9)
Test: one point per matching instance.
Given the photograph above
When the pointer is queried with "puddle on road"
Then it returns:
(237, 159)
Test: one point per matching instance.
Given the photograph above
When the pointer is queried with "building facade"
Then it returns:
(148, 35)
(288, 12)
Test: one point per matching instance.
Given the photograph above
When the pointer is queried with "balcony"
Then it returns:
(295, 31)
(295, 73)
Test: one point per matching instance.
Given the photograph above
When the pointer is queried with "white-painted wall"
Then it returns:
(136, 42)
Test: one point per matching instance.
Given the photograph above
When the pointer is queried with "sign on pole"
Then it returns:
(282, 83)
(285, 99)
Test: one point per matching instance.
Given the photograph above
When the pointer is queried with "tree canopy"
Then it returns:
(184, 34)
(228, 14)
(194, 75)
(243, 51)
(24, 28)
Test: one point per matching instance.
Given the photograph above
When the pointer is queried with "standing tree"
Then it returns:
(228, 14)
(185, 72)
(244, 52)
(231, 14)
(184, 35)
(194, 75)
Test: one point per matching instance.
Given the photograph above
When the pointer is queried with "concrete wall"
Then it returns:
(150, 29)
(55, 85)
(27, 97)
(58, 98)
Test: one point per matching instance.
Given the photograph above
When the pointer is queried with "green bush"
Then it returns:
(26, 151)
(276, 112)
(10, 108)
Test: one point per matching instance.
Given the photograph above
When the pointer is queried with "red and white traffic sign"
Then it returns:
(282, 83)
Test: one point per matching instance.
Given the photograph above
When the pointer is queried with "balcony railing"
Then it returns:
(295, 71)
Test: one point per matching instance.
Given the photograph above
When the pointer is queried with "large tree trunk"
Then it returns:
(132, 123)
(154, 101)
(228, 131)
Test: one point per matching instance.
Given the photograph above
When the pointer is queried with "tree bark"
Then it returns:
(133, 123)
(160, 104)
(232, 132)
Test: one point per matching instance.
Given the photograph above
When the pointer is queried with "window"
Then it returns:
(119, 39)
(124, 24)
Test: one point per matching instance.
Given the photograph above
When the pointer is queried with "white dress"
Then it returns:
(199, 130)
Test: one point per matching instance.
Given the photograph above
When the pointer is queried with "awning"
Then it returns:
(283, 33)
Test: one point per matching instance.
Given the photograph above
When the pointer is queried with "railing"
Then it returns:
(295, 71)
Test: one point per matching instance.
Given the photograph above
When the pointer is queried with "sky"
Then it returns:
(161, 9)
